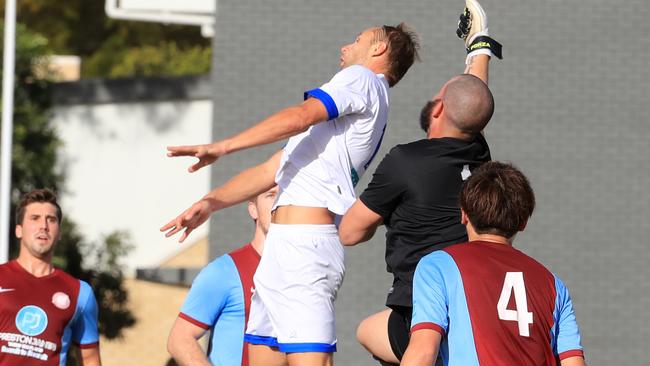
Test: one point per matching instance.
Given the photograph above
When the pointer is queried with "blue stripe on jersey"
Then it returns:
(217, 299)
(432, 294)
(326, 99)
(565, 335)
(82, 328)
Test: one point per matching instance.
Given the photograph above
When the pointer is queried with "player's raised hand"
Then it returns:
(472, 23)
(473, 29)
(189, 220)
(464, 24)
(207, 154)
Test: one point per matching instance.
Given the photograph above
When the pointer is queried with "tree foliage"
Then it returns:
(115, 48)
(105, 276)
(165, 58)
(34, 165)
(35, 141)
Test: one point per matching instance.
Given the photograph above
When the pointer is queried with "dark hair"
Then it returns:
(37, 195)
(497, 199)
(425, 115)
(403, 46)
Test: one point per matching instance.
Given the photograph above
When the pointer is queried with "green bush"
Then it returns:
(34, 165)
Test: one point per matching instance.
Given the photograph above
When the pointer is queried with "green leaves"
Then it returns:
(35, 165)
(164, 58)
(109, 47)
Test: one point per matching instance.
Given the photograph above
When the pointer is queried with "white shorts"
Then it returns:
(296, 282)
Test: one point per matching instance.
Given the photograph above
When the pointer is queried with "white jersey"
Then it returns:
(321, 166)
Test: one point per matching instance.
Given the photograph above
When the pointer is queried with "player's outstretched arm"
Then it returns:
(422, 349)
(183, 344)
(240, 188)
(89, 356)
(358, 224)
(281, 125)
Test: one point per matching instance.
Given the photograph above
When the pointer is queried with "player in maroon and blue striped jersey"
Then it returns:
(484, 302)
(219, 301)
(43, 310)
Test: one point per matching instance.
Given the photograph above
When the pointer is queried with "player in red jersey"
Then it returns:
(484, 302)
(43, 309)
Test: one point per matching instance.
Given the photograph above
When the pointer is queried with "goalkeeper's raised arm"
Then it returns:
(473, 29)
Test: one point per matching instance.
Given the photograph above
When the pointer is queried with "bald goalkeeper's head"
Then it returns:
(462, 108)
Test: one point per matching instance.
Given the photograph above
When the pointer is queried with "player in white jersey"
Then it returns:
(334, 135)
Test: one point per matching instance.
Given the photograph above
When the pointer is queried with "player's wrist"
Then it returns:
(472, 57)
(483, 44)
(210, 203)
(473, 29)
(470, 40)
(220, 148)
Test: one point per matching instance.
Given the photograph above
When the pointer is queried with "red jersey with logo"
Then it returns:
(41, 316)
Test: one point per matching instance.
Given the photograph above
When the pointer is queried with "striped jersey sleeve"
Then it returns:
(346, 93)
(565, 333)
(439, 304)
(210, 292)
(84, 323)
(430, 295)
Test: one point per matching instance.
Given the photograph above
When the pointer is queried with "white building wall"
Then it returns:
(118, 176)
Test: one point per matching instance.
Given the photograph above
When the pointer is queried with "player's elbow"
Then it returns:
(172, 344)
(352, 233)
(309, 113)
(299, 119)
(349, 237)
(348, 241)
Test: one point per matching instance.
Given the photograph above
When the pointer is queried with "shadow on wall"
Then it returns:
(89, 93)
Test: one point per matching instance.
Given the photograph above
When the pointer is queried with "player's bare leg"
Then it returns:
(372, 333)
(310, 359)
(259, 355)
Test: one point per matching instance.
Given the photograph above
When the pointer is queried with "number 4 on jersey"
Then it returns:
(515, 281)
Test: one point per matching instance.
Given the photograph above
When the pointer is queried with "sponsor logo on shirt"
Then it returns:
(6, 289)
(31, 320)
(61, 300)
(26, 346)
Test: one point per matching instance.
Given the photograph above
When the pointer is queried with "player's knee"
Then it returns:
(362, 333)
